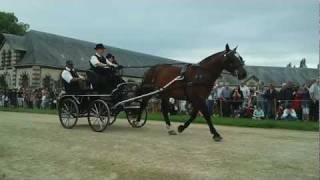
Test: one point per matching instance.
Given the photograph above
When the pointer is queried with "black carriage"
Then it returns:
(102, 110)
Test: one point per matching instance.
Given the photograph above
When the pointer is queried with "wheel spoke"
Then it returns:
(68, 122)
(96, 121)
(66, 107)
(98, 115)
(96, 109)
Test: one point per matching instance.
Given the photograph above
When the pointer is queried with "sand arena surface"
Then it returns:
(36, 147)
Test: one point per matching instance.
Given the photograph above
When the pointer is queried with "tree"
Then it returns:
(303, 63)
(9, 23)
(289, 65)
(3, 82)
(46, 82)
(24, 80)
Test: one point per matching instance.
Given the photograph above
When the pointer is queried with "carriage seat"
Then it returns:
(98, 83)
(92, 77)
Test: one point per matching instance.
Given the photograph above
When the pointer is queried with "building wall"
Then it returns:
(8, 58)
(20, 72)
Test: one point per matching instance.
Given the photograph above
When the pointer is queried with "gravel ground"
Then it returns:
(36, 147)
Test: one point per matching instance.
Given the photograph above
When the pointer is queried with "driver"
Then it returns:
(100, 64)
(106, 79)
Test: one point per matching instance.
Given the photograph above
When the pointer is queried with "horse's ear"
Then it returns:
(235, 49)
(227, 47)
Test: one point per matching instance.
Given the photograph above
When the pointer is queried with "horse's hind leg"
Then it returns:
(165, 111)
(204, 110)
(193, 115)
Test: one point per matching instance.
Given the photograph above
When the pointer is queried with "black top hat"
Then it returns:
(99, 46)
(69, 62)
(109, 55)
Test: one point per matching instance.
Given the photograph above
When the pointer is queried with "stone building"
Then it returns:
(37, 58)
(266, 75)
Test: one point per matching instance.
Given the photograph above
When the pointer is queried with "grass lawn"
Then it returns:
(240, 122)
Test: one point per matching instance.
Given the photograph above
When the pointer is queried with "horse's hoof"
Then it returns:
(217, 138)
(180, 128)
(172, 132)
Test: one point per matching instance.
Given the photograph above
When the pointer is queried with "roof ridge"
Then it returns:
(280, 67)
(110, 46)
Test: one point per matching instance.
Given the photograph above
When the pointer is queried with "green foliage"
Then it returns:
(46, 82)
(3, 82)
(9, 23)
(25, 80)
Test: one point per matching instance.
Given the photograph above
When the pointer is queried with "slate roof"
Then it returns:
(52, 50)
(16, 42)
(277, 75)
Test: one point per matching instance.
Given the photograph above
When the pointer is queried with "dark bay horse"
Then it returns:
(195, 87)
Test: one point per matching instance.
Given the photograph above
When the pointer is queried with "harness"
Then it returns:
(199, 79)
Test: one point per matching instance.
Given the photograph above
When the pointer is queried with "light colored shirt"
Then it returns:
(315, 91)
(94, 61)
(66, 75)
(258, 113)
(226, 92)
(219, 91)
(245, 91)
(287, 112)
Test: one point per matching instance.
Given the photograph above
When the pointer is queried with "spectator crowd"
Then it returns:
(41, 98)
(290, 102)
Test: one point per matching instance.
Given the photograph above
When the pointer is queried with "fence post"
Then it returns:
(275, 108)
(220, 102)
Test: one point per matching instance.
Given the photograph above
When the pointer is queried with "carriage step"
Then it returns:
(132, 107)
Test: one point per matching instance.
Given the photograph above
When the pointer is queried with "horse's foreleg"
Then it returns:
(204, 110)
(165, 111)
(193, 115)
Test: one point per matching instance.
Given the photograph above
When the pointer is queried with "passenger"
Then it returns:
(103, 68)
(116, 76)
(71, 79)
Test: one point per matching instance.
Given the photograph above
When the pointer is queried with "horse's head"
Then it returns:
(234, 63)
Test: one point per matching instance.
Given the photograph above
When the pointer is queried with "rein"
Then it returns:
(148, 66)
(169, 64)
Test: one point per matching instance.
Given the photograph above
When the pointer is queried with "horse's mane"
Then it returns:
(211, 57)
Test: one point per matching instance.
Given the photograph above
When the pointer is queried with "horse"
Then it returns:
(198, 80)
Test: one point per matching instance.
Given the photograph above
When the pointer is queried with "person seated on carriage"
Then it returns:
(72, 81)
(116, 76)
(105, 79)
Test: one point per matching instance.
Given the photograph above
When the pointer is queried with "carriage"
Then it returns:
(102, 110)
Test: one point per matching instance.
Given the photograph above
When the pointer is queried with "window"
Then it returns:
(9, 55)
(18, 55)
(3, 58)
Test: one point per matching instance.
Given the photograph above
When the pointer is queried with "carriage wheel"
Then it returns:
(113, 119)
(68, 113)
(137, 118)
(98, 115)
